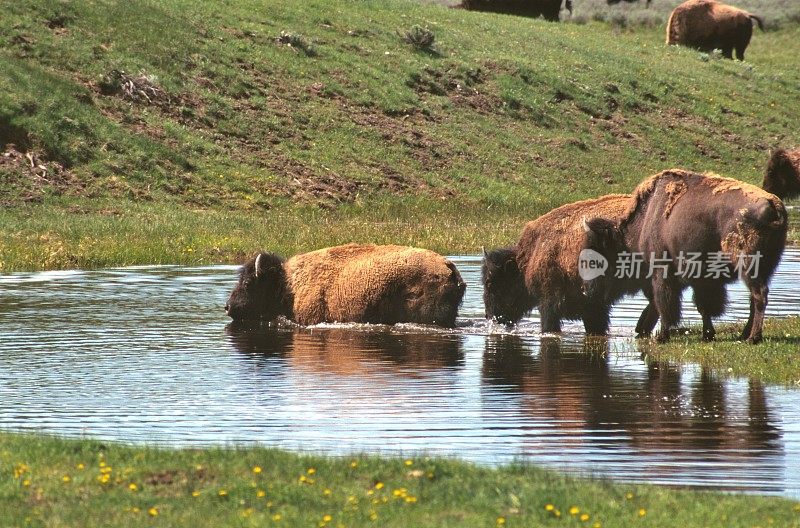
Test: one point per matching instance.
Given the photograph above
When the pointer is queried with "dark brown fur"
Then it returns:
(351, 283)
(783, 174)
(542, 269)
(547, 9)
(708, 25)
(680, 212)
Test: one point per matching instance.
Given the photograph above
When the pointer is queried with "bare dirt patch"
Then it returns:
(31, 176)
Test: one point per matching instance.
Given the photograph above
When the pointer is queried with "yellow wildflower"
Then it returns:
(574, 510)
(276, 517)
(409, 462)
(195, 493)
(65, 478)
(597, 525)
(501, 521)
(311, 471)
(80, 466)
(257, 470)
(411, 499)
(549, 507)
(353, 464)
(584, 517)
(327, 492)
(379, 485)
(261, 493)
(153, 511)
(327, 518)
(26, 483)
(629, 495)
(132, 486)
(222, 493)
(642, 512)
(373, 516)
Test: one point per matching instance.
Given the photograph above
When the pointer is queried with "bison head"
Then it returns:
(504, 294)
(603, 241)
(261, 290)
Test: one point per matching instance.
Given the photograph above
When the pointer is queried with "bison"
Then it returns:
(542, 269)
(708, 25)
(690, 229)
(350, 283)
(547, 9)
(783, 174)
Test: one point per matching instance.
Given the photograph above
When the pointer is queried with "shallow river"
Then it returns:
(145, 355)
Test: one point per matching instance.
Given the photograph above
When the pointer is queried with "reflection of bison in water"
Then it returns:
(783, 174)
(708, 25)
(351, 283)
(547, 9)
(694, 230)
(542, 269)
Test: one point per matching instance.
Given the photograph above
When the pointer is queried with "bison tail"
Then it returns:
(759, 20)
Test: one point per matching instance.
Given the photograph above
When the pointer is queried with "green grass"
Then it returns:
(364, 138)
(776, 360)
(48, 481)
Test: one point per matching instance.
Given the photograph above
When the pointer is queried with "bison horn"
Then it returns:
(483, 250)
(258, 263)
(585, 225)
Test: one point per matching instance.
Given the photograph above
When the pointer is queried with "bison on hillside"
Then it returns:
(350, 283)
(547, 9)
(707, 25)
(783, 174)
(724, 228)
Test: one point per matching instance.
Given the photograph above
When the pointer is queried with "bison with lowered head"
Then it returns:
(542, 269)
(698, 230)
(783, 174)
(547, 9)
(350, 283)
(708, 25)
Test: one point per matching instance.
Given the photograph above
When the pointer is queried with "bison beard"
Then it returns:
(680, 212)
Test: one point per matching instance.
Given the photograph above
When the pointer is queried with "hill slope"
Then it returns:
(197, 131)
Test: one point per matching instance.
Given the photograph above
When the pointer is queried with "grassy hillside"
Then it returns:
(190, 131)
(83, 483)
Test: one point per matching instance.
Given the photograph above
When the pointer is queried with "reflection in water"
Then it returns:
(656, 427)
(94, 353)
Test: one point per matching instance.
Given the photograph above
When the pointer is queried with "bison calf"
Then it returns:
(351, 283)
(708, 25)
(783, 174)
(542, 269)
(688, 229)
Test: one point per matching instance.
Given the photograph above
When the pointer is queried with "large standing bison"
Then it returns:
(698, 230)
(542, 269)
(708, 25)
(547, 9)
(783, 174)
(351, 283)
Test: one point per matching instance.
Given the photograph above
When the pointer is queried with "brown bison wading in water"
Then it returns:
(547, 9)
(783, 174)
(542, 269)
(680, 213)
(708, 25)
(351, 283)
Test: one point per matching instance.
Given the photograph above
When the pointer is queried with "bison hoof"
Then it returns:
(662, 338)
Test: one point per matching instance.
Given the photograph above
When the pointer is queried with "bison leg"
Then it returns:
(647, 321)
(595, 319)
(710, 299)
(748, 326)
(758, 303)
(667, 299)
(551, 319)
(727, 52)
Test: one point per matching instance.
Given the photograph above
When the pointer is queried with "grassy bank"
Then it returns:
(776, 360)
(53, 482)
(293, 125)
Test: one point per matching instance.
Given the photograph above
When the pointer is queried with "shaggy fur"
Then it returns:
(708, 25)
(680, 212)
(547, 9)
(542, 269)
(783, 174)
(351, 283)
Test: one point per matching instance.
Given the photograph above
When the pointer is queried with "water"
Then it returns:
(145, 355)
